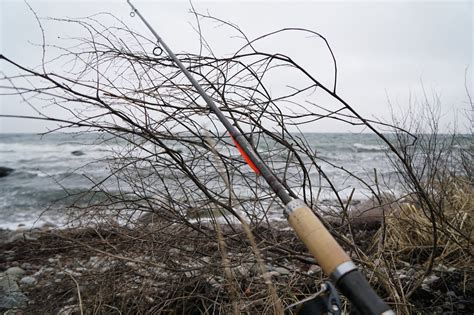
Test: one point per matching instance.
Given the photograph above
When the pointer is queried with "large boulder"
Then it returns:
(371, 211)
(5, 171)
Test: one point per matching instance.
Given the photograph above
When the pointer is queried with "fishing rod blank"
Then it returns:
(328, 253)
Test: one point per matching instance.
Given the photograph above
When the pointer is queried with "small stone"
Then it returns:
(72, 273)
(17, 236)
(270, 274)
(94, 260)
(174, 251)
(190, 274)
(38, 273)
(430, 279)
(213, 282)
(149, 299)
(16, 272)
(26, 266)
(131, 264)
(69, 310)
(28, 280)
(314, 269)
(402, 276)
(282, 271)
(242, 270)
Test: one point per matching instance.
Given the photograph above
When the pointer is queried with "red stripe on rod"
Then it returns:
(245, 156)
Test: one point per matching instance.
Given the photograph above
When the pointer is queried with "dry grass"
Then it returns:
(409, 229)
(408, 240)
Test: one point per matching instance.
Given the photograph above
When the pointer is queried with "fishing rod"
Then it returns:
(333, 260)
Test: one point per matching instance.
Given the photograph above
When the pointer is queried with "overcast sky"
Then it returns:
(384, 49)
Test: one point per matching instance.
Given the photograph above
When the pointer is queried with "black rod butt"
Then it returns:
(356, 288)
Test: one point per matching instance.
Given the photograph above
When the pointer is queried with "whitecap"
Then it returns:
(368, 147)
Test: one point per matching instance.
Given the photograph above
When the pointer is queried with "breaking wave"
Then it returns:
(359, 147)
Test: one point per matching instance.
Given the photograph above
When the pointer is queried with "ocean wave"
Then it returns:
(359, 147)
(52, 198)
(18, 174)
(28, 174)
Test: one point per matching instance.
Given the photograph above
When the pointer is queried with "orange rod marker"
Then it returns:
(246, 157)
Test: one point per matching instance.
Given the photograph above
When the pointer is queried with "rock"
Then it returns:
(10, 294)
(131, 265)
(69, 310)
(77, 153)
(460, 306)
(71, 272)
(21, 235)
(26, 266)
(443, 268)
(94, 261)
(190, 274)
(15, 272)
(149, 299)
(5, 171)
(411, 272)
(430, 279)
(48, 226)
(282, 271)
(270, 274)
(28, 280)
(213, 282)
(14, 311)
(38, 273)
(60, 274)
(370, 212)
(242, 270)
(174, 251)
(314, 269)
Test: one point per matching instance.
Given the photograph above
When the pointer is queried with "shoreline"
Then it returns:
(58, 265)
(365, 207)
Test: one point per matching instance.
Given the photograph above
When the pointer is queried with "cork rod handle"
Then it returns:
(317, 238)
(333, 260)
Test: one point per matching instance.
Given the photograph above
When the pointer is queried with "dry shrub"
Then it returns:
(179, 263)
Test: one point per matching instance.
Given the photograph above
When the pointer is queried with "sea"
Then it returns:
(49, 168)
